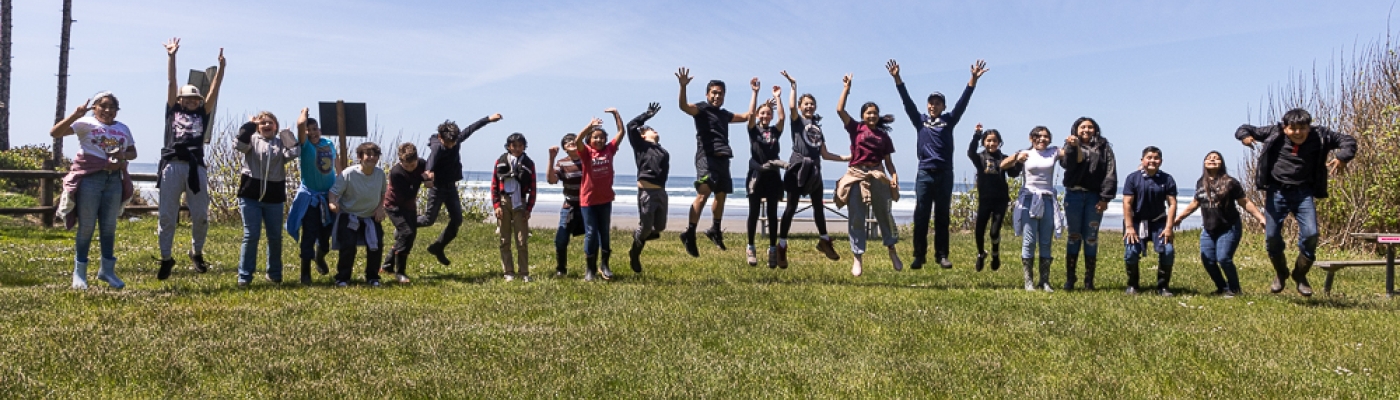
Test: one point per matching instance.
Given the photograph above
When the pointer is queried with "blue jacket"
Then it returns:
(301, 202)
(935, 134)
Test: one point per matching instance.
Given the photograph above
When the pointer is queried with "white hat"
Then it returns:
(190, 91)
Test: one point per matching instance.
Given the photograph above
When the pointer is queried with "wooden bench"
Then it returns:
(1333, 266)
(834, 215)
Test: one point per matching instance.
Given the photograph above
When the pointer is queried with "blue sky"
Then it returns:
(1180, 75)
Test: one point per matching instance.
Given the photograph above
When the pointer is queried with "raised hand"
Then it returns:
(846, 80)
(979, 128)
(83, 109)
(777, 91)
(1248, 141)
(172, 46)
(753, 83)
(979, 68)
(653, 108)
(611, 110)
(893, 67)
(1072, 140)
(553, 151)
(222, 62)
(305, 113)
(494, 117)
(595, 123)
(789, 78)
(683, 75)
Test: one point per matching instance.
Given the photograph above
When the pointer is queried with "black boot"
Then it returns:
(1300, 274)
(401, 267)
(592, 269)
(306, 271)
(321, 266)
(1090, 265)
(981, 260)
(1045, 274)
(1164, 279)
(561, 260)
(388, 267)
(1026, 265)
(1132, 271)
(1070, 267)
(996, 261)
(605, 272)
(635, 255)
(1280, 273)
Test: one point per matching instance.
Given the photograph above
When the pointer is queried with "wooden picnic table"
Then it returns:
(1389, 240)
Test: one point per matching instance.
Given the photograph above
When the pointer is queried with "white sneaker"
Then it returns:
(510, 277)
(856, 267)
(525, 278)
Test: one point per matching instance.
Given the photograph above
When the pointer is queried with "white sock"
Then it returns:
(825, 237)
(782, 242)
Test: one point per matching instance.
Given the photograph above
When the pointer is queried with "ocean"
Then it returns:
(681, 190)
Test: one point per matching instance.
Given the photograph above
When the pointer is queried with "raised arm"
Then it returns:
(972, 153)
(550, 175)
(909, 108)
(65, 127)
(753, 101)
(978, 68)
(792, 97)
(778, 107)
(683, 75)
(841, 101)
(1248, 134)
(171, 47)
(212, 98)
(301, 124)
(580, 140)
(475, 126)
(621, 130)
(634, 127)
(753, 106)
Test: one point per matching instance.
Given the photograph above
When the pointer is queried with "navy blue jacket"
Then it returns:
(935, 134)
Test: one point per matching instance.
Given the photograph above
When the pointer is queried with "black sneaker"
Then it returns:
(560, 272)
(436, 250)
(688, 238)
(387, 268)
(273, 279)
(199, 265)
(634, 257)
(165, 266)
(717, 237)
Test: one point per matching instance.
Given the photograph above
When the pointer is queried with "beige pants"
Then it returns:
(514, 224)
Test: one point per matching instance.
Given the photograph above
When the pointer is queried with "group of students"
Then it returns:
(341, 207)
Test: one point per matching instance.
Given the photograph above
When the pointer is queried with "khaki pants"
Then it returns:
(514, 224)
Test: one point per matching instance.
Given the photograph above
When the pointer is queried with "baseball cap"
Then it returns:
(190, 91)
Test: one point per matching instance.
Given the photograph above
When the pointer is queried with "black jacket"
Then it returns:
(653, 161)
(1097, 173)
(1272, 136)
(445, 162)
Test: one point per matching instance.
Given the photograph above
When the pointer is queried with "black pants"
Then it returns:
(439, 197)
(405, 232)
(771, 210)
(315, 238)
(991, 211)
(349, 239)
(818, 210)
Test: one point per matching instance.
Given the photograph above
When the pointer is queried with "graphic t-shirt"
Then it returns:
(98, 139)
(1219, 213)
(318, 164)
(184, 134)
(597, 174)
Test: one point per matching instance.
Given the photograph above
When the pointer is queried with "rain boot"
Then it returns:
(80, 275)
(1045, 274)
(1132, 271)
(1300, 274)
(108, 273)
(1070, 267)
(1026, 265)
(1280, 273)
(1090, 264)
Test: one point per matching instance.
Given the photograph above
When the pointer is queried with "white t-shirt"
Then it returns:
(1040, 169)
(99, 139)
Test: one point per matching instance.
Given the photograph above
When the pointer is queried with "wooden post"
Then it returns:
(62, 77)
(342, 162)
(46, 187)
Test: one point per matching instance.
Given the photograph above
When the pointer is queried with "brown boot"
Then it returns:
(1300, 274)
(1280, 273)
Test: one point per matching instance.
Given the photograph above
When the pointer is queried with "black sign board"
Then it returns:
(202, 80)
(356, 122)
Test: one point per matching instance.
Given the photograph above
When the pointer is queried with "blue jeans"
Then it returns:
(1277, 205)
(99, 199)
(932, 188)
(1133, 252)
(1218, 253)
(1083, 219)
(1037, 232)
(597, 229)
(269, 215)
(858, 213)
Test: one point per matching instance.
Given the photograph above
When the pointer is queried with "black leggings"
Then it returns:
(818, 211)
(993, 211)
(772, 209)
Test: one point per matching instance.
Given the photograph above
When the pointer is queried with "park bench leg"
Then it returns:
(1327, 285)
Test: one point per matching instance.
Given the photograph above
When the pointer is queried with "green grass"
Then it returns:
(711, 327)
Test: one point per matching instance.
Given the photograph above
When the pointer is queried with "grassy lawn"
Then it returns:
(710, 327)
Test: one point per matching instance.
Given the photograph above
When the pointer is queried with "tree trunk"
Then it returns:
(62, 77)
(5, 28)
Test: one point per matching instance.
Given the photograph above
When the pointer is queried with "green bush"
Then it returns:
(25, 158)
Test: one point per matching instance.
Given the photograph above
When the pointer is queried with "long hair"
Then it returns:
(885, 121)
(1215, 188)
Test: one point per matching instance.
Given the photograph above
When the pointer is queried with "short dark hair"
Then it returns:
(516, 138)
(367, 148)
(312, 121)
(1297, 116)
(715, 82)
(1151, 149)
(407, 149)
(568, 138)
(448, 130)
(1041, 128)
(807, 96)
(1075, 128)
